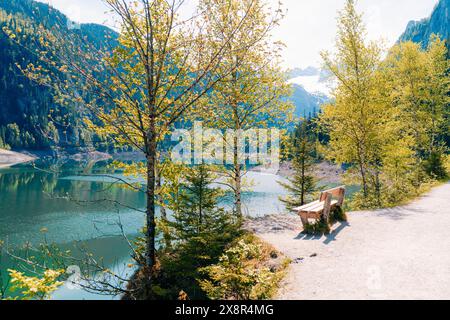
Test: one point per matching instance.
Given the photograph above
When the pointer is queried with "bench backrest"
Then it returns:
(338, 193)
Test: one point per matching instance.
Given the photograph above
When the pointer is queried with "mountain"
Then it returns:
(307, 104)
(25, 107)
(298, 72)
(310, 91)
(437, 23)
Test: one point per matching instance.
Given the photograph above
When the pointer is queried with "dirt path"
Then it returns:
(399, 253)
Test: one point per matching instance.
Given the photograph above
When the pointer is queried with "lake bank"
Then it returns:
(10, 158)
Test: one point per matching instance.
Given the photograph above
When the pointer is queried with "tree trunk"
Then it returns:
(237, 180)
(150, 254)
(363, 173)
(303, 176)
(162, 208)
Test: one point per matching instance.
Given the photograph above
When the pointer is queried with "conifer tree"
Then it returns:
(302, 184)
(198, 215)
(201, 229)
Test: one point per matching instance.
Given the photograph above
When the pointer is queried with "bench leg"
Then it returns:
(326, 211)
(304, 219)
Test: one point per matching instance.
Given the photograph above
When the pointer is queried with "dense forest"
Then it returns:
(30, 118)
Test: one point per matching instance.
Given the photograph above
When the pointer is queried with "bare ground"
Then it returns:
(324, 171)
(10, 158)
(399, 253)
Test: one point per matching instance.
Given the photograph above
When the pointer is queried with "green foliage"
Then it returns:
(320, 227)
(3, 145)
(434, 166)
(241, 273)
(388, 120)
(200, 230)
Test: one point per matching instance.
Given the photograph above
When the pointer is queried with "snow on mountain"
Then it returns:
(313, 80)
(313, 84)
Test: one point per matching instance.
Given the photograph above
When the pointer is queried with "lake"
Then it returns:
(75, 210)
(71, 204)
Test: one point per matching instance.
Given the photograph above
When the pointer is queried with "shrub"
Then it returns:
(320, 227)
(243, 272)
(434, 166)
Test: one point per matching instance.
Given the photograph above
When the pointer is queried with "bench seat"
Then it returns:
(314, 209)
(323, 206)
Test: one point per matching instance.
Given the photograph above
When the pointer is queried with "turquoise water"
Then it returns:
(78, 208)
(75, 210)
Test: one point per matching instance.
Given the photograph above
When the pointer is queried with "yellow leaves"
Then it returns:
(34, 287)
(136, 169)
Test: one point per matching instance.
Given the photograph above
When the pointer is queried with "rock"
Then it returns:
(298, 260)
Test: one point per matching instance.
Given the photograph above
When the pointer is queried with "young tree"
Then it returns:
(356, 118)
(408, 69)
(201, 230)
(419, 87)
(198, 214)
(438, 103)
(302, 183)
(250, 97)
(159, 66)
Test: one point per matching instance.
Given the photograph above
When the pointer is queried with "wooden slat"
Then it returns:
(306, 206)
(318, 207)
(335, 191)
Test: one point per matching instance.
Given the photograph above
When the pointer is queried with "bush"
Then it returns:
(434, 166)
(244, 272)
(321, 227)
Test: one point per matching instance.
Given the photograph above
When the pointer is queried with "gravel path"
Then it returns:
(399, 253)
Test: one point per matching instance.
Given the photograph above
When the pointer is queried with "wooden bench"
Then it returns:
(329, 199)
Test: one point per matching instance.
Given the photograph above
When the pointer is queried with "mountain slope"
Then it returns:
(25, 107)
(310, 91)
(437, 23)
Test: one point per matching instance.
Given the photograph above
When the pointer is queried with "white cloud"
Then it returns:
(310, 25)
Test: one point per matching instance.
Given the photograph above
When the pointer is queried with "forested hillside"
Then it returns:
(29, 116)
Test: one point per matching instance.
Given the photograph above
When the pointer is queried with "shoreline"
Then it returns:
(11, 158)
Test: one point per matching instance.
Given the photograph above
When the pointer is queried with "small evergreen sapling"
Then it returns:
(302, 184)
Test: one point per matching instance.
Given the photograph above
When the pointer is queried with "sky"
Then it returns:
(309, 26)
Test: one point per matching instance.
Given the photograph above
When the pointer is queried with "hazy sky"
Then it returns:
(310, 25)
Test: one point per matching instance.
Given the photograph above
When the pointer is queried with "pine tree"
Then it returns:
(198, 214)
(201, 230)
(302, 184)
